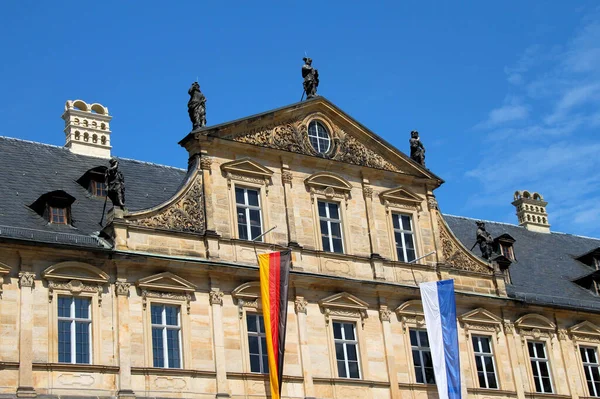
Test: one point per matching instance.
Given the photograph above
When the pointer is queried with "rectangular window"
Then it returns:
(421, 354)
(166, 336)
(74, 330)
(248, 213)
(507, 250)
(589, 356)
(346, 349)
(404, 237)
(257, 344)
(98, 188)
(540, 366)
(484, 360)
(58, 215)
(331, 227)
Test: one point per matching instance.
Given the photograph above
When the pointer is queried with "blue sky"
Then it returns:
(505, 94)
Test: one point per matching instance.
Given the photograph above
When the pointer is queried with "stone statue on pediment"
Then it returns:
(115, 184)
(485, 241)
(311, 78)
(417, 149)
(197, 106)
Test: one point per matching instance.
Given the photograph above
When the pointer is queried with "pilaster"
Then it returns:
(25, 388)
(212, 238)
(513, 343)
(216, 305)
(300, 306)
(376, 260)
(286, 179)
(385, 315)
(124, 339)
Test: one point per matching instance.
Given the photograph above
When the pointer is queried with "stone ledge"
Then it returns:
(98, 368)
(261, 377)
(352, 381)
(166, 371)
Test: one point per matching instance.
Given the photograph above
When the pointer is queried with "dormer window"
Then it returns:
(504, 245)
(507, 250)
(591, 258)
(93, 181)
(54, 206)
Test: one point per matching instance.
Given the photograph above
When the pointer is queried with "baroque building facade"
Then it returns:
(162, 299)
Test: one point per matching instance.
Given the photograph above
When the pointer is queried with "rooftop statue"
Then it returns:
(485, 241)
(115, 184)
(311, 78)
(197, 106)
(417, 149)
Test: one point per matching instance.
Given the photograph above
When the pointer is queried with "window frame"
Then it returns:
(247, 207)
(491, 354)
(325, 126)
(164, 327)
(343, 341)
(585, 365)
(329, 221)
(402, 233)
(420, 349)
(539, 360)
(63, 209)
(95, 184)
(73, 321)
(260, 335)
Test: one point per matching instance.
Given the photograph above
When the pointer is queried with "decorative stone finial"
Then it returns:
(197, 106)
(311, 78)
(417, 149)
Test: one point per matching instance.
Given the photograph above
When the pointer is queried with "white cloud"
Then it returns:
(510, 112)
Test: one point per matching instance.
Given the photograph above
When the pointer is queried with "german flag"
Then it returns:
(274, 283)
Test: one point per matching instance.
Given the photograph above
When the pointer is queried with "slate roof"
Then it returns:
(545, 266)
(29, 169)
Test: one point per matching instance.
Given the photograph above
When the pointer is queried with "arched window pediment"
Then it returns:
(247, 296)
(329, 185)
(75, 277)
(411, 314)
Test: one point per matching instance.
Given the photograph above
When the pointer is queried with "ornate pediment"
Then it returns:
(329, 185)
(184, 212)
(75, 271)
(248, 167)
(585, 331)
(535, 326)
(456, 254)
(399, 197)
(481, 320)
(345, 305)
(247, 295)
(411, 314)
(166, 281)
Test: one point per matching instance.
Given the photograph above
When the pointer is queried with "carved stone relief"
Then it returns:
(26, 279)
(300, 305)
(122, 288)
(186, 215)
(74, 287)
(216, 297)
(384, 313)
(179, 296)
(292, 136)
(456, 255)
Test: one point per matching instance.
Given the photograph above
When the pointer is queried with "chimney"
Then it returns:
(87, 128)
(531, 211)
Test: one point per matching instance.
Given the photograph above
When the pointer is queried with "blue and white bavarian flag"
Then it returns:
(439, 307)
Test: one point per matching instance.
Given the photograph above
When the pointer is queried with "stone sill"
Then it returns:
(261, 377)
(174, 372)
(546, 395)
(491, 391)
(352, 381)
(418, 387)
(98, 368)
(9, 365)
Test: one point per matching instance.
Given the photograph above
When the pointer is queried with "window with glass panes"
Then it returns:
(421, 354)
(404, 237)
(98, 188)
(331, 226)
(540, 366)
(591, 368)
(319, 137)
(166, 335)
(58, 215)
(248, 213)
(257, 344)
(484, 361)
(74, 330)
(346, 349)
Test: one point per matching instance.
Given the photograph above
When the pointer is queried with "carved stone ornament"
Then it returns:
(185, 215)
(122, 288)
(562, 334)
(287, 177)
(384, 313)
(432, 203)
(535, 326)
(216, 297)
(509, 327)
(247, 296)
(178, 296)
(481, 320)
(584, 332)
(205, 163)
(26, 279)
(75, 287)
(456, 254)
(411, 315)
(368, 191)
(292, 136)
(244, 303)
(344, 305)
(300, 304)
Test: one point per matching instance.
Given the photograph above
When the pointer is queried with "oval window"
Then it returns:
(319, 137)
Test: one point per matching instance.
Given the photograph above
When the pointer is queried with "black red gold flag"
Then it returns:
(274, 284)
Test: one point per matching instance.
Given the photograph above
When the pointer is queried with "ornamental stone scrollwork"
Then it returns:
(216, 297)
(432, 203)
(26, 279)
(456, 255)
(244, 303)
(562, 334)
(509, 327)
(535, 326)
(584, 332)
(205, 163)
(411, 314)
(481, 320)
(75, 287)
(300, 305)
(287, 177)
(384, 313)
(122, 288)
(368, 192)
(292, 136)
(247, 296)
(344, 305)
(178, 296)
(185, 215)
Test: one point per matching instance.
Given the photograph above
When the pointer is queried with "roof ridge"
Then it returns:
(514, 225)
(90, 156)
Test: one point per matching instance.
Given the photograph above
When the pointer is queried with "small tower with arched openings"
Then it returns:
(87, 128)
(531, 211)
